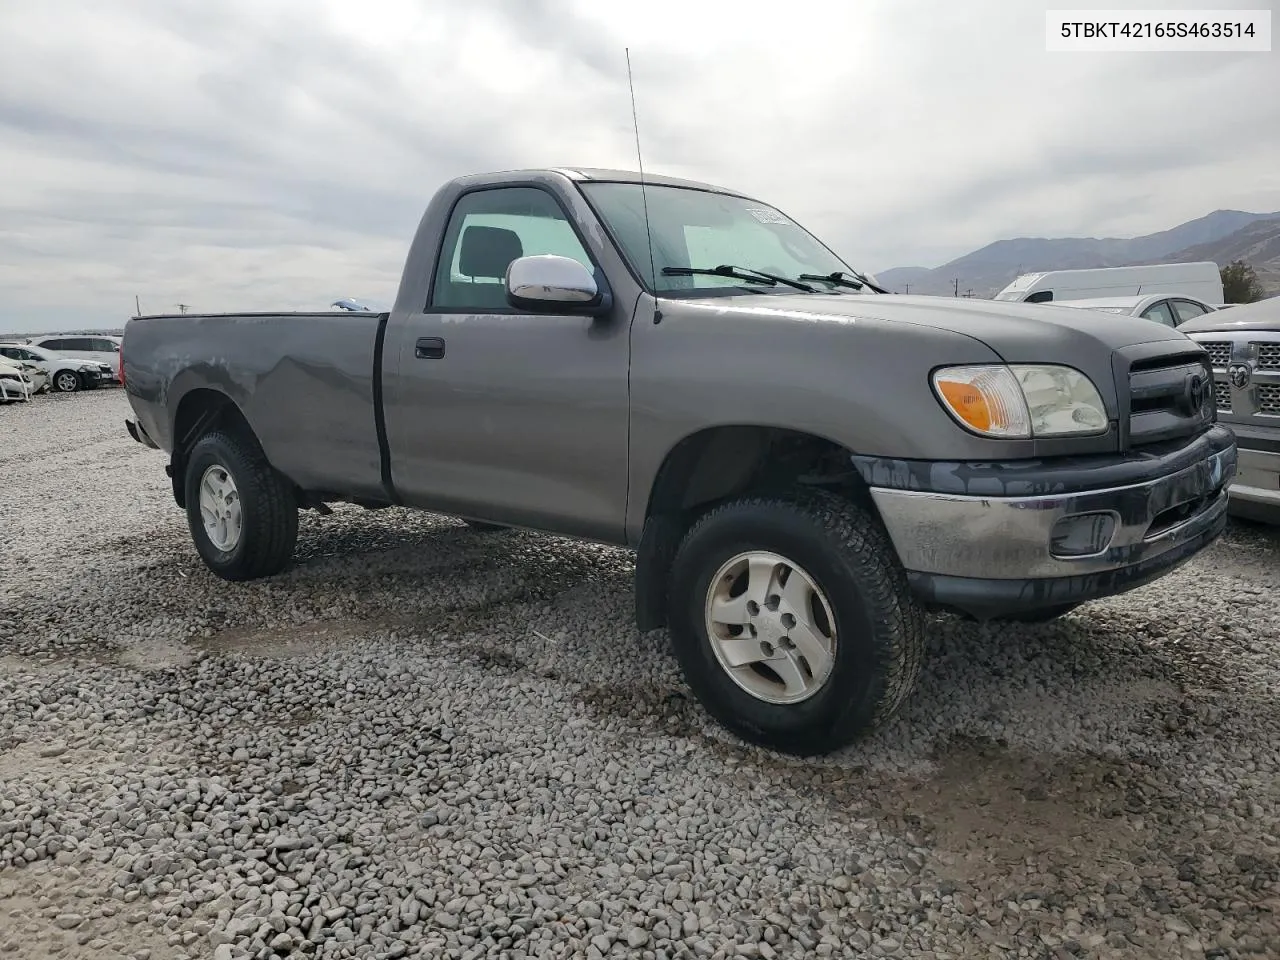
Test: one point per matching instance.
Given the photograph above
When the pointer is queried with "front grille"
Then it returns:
(1222, 397)
(1269, 399)
(1219, 352)
(1268, 356)
(1158, 407)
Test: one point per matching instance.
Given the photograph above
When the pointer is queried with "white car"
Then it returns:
(97, 347)
(65, 374)
(15, 383)
(1171, 309)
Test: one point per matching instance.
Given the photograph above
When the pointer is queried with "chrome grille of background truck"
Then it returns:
(1246, 373)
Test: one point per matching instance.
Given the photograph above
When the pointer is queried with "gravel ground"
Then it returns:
(426, 741)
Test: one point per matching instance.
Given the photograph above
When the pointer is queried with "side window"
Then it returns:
(1040, 296)
(486, 231)
(54, 345)
(75, 343)
(103, 345)
(11, 353)
(1185, 310)
(1160, 313)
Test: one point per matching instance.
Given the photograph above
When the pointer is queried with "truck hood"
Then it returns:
(1018, 332)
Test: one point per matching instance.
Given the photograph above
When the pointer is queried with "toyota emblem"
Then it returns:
(1239, 374)
(1196, 392)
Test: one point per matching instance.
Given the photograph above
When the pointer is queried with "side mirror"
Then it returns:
(552, 284)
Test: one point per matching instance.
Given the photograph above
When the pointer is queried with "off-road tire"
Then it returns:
(879, 624)
(268, 506)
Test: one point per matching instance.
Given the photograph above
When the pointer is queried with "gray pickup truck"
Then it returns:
(1243, 344)
(805, 467)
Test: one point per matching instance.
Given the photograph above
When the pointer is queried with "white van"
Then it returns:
(1201, 280)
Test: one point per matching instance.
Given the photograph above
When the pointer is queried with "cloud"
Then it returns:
(277, 154)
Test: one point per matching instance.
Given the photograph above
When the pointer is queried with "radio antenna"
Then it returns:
(644, 199)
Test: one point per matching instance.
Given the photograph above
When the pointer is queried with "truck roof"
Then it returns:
(598, 174)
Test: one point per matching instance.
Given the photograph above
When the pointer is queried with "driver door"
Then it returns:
(498, 414)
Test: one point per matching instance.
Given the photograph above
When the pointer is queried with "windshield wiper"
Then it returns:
(838, 279)
(738, 273)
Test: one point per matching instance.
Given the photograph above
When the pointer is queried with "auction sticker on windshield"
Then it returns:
(766, 215)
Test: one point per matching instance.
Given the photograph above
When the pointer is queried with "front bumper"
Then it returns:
(993, 554)
(1256, 490)
(15, 389)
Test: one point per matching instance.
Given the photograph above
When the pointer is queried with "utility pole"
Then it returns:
(908, 290)
(182, 308)
(955, 292)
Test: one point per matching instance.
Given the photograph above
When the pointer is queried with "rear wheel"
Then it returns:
(792, 621)
(242, 514)
(67, 381)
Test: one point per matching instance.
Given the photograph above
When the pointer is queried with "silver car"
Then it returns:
(1172, 310)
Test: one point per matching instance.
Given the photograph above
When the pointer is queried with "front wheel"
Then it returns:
(792, 621)
(243, 515)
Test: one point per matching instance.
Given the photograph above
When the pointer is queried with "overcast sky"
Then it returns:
(277, 154)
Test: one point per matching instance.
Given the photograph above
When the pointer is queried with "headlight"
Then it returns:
(1021, 401)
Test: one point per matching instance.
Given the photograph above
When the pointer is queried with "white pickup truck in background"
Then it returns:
(1243, 344)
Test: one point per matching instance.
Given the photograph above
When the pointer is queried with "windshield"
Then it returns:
(701, 229)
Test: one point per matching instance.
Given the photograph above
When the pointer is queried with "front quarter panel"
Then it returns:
(861, 382)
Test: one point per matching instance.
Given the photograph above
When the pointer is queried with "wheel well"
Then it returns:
(720, 462)
(714, 465)
(199, 412)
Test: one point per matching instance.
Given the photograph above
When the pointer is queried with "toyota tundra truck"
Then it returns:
(806, 467)
(1243, 344)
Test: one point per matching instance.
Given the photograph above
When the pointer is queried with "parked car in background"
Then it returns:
(15, 383)
(64, 374)
(1243, 344)
(98, 348)
(1172, 311)
(39, 379)
(1201, 279)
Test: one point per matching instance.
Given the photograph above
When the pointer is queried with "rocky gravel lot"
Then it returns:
(427, 741)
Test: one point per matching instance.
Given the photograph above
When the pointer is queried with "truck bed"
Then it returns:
(309, 382)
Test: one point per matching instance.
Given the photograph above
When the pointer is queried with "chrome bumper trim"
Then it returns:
(1257, 478)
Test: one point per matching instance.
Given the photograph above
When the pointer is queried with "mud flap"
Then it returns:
(658, 545)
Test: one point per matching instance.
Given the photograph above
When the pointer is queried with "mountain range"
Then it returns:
(1221, 236)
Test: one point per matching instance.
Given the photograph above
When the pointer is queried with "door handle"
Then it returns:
(429, 348)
